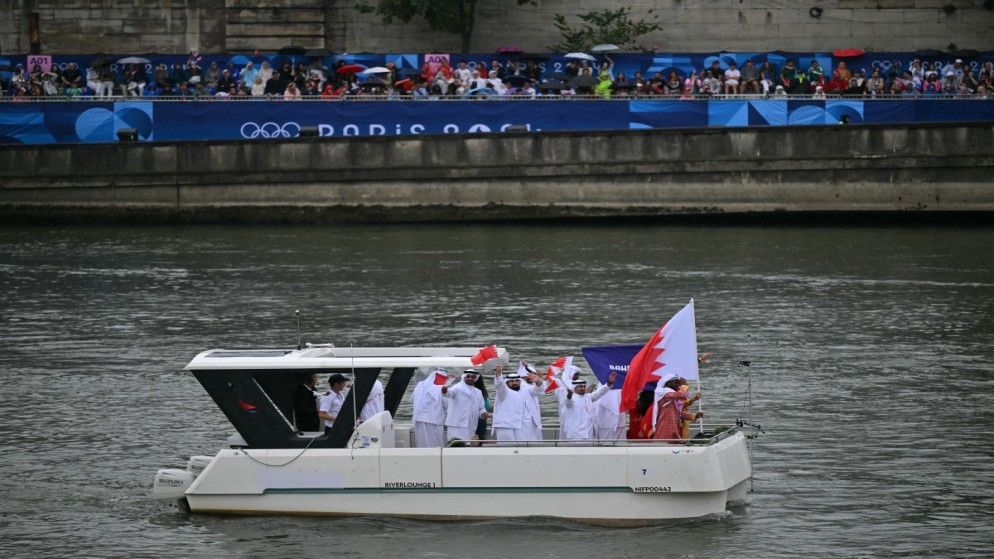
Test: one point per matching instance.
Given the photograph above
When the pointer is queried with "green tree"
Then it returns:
(452, 16)
(614, 27)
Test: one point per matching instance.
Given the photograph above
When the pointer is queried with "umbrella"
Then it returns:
(553, 85)
(510, 50)
(291, 50)
(133, 60)
(376, 70)
(964, 53)
(350, 69)
(604, 47)
(480, 91)
(239, 60)
(584, 81)
(373, 83)
(846, 53)
(928, 52)
(558, 76)
(97, 62)
(580, 56)
(516, 79)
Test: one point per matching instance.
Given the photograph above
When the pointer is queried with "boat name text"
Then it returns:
(408, 485)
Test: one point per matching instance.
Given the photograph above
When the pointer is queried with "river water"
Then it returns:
(871, 353)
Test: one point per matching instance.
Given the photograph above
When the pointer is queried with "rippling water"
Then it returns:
(871, 353)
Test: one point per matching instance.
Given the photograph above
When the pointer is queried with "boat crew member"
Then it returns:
(305, 404)
(577, 408)
(429, 410)
(465, 407)
(331, 403)
(511, 410)
(375, 402)
(535, 388)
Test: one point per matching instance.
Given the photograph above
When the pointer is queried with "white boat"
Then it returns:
(270, 468)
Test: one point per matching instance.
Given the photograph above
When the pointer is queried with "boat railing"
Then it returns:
(711, 434)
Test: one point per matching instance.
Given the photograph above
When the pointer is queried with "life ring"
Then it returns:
(815, 12)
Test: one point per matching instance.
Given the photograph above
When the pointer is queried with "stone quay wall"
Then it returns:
(915, 169)
(178, 26)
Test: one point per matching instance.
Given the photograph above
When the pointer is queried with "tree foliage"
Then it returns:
(451, 16)
(614, 27)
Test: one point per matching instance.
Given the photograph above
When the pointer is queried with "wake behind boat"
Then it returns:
(374, 468)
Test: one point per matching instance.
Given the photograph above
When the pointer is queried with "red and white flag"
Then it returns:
(550, 375)
(484, 355)
(672, 349)
(440, 378)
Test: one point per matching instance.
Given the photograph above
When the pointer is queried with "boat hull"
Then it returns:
(617, 485)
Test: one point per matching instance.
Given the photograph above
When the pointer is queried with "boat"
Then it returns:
(269, 467)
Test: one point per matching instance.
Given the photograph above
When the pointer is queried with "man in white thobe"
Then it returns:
(465, 407)
(578, 408)
(609, 422)
(429, 411)
(374, 403)
(534, 389)
(511, 409)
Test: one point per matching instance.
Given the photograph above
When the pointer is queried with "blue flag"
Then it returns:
(604, 360)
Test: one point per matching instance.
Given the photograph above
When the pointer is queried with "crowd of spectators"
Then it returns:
(519, 79)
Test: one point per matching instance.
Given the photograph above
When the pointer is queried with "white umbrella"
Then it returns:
(580, 55)
(376, 70)
(604, 48)
(133, 60)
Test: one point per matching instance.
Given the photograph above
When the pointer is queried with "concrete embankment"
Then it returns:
(757, 172)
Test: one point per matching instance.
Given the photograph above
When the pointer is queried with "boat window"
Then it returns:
(250, 353)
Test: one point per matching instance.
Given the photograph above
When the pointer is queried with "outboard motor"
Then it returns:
(170, 487)
(196, 464)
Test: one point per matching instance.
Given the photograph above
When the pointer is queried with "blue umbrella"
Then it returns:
(240, 60)
(480, 91)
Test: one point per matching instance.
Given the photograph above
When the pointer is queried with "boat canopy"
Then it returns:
(254, 388)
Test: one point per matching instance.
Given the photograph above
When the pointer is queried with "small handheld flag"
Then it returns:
(484, 355)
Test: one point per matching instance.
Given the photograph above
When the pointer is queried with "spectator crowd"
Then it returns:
(519, 79)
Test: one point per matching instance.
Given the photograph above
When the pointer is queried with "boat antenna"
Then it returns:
(748, 369)
(297, 312)
(355, 415)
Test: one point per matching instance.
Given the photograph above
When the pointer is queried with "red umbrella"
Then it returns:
(350, 69)
(844, 53)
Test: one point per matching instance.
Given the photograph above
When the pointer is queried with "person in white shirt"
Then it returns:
(732, 76)
(577, 408)
(429, 411)
(511, 409)
(535, 389)
(609, 422)
(375, 402)
(463, 73)
(465, 407)
(331, 403)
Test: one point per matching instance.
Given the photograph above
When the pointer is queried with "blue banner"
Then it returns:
(94, 122)
(604, 360)
(627, 63)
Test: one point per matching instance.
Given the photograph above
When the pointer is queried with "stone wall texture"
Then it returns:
(177, 26)
(916, 169)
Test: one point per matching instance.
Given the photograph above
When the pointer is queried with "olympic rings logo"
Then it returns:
(254, 130)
